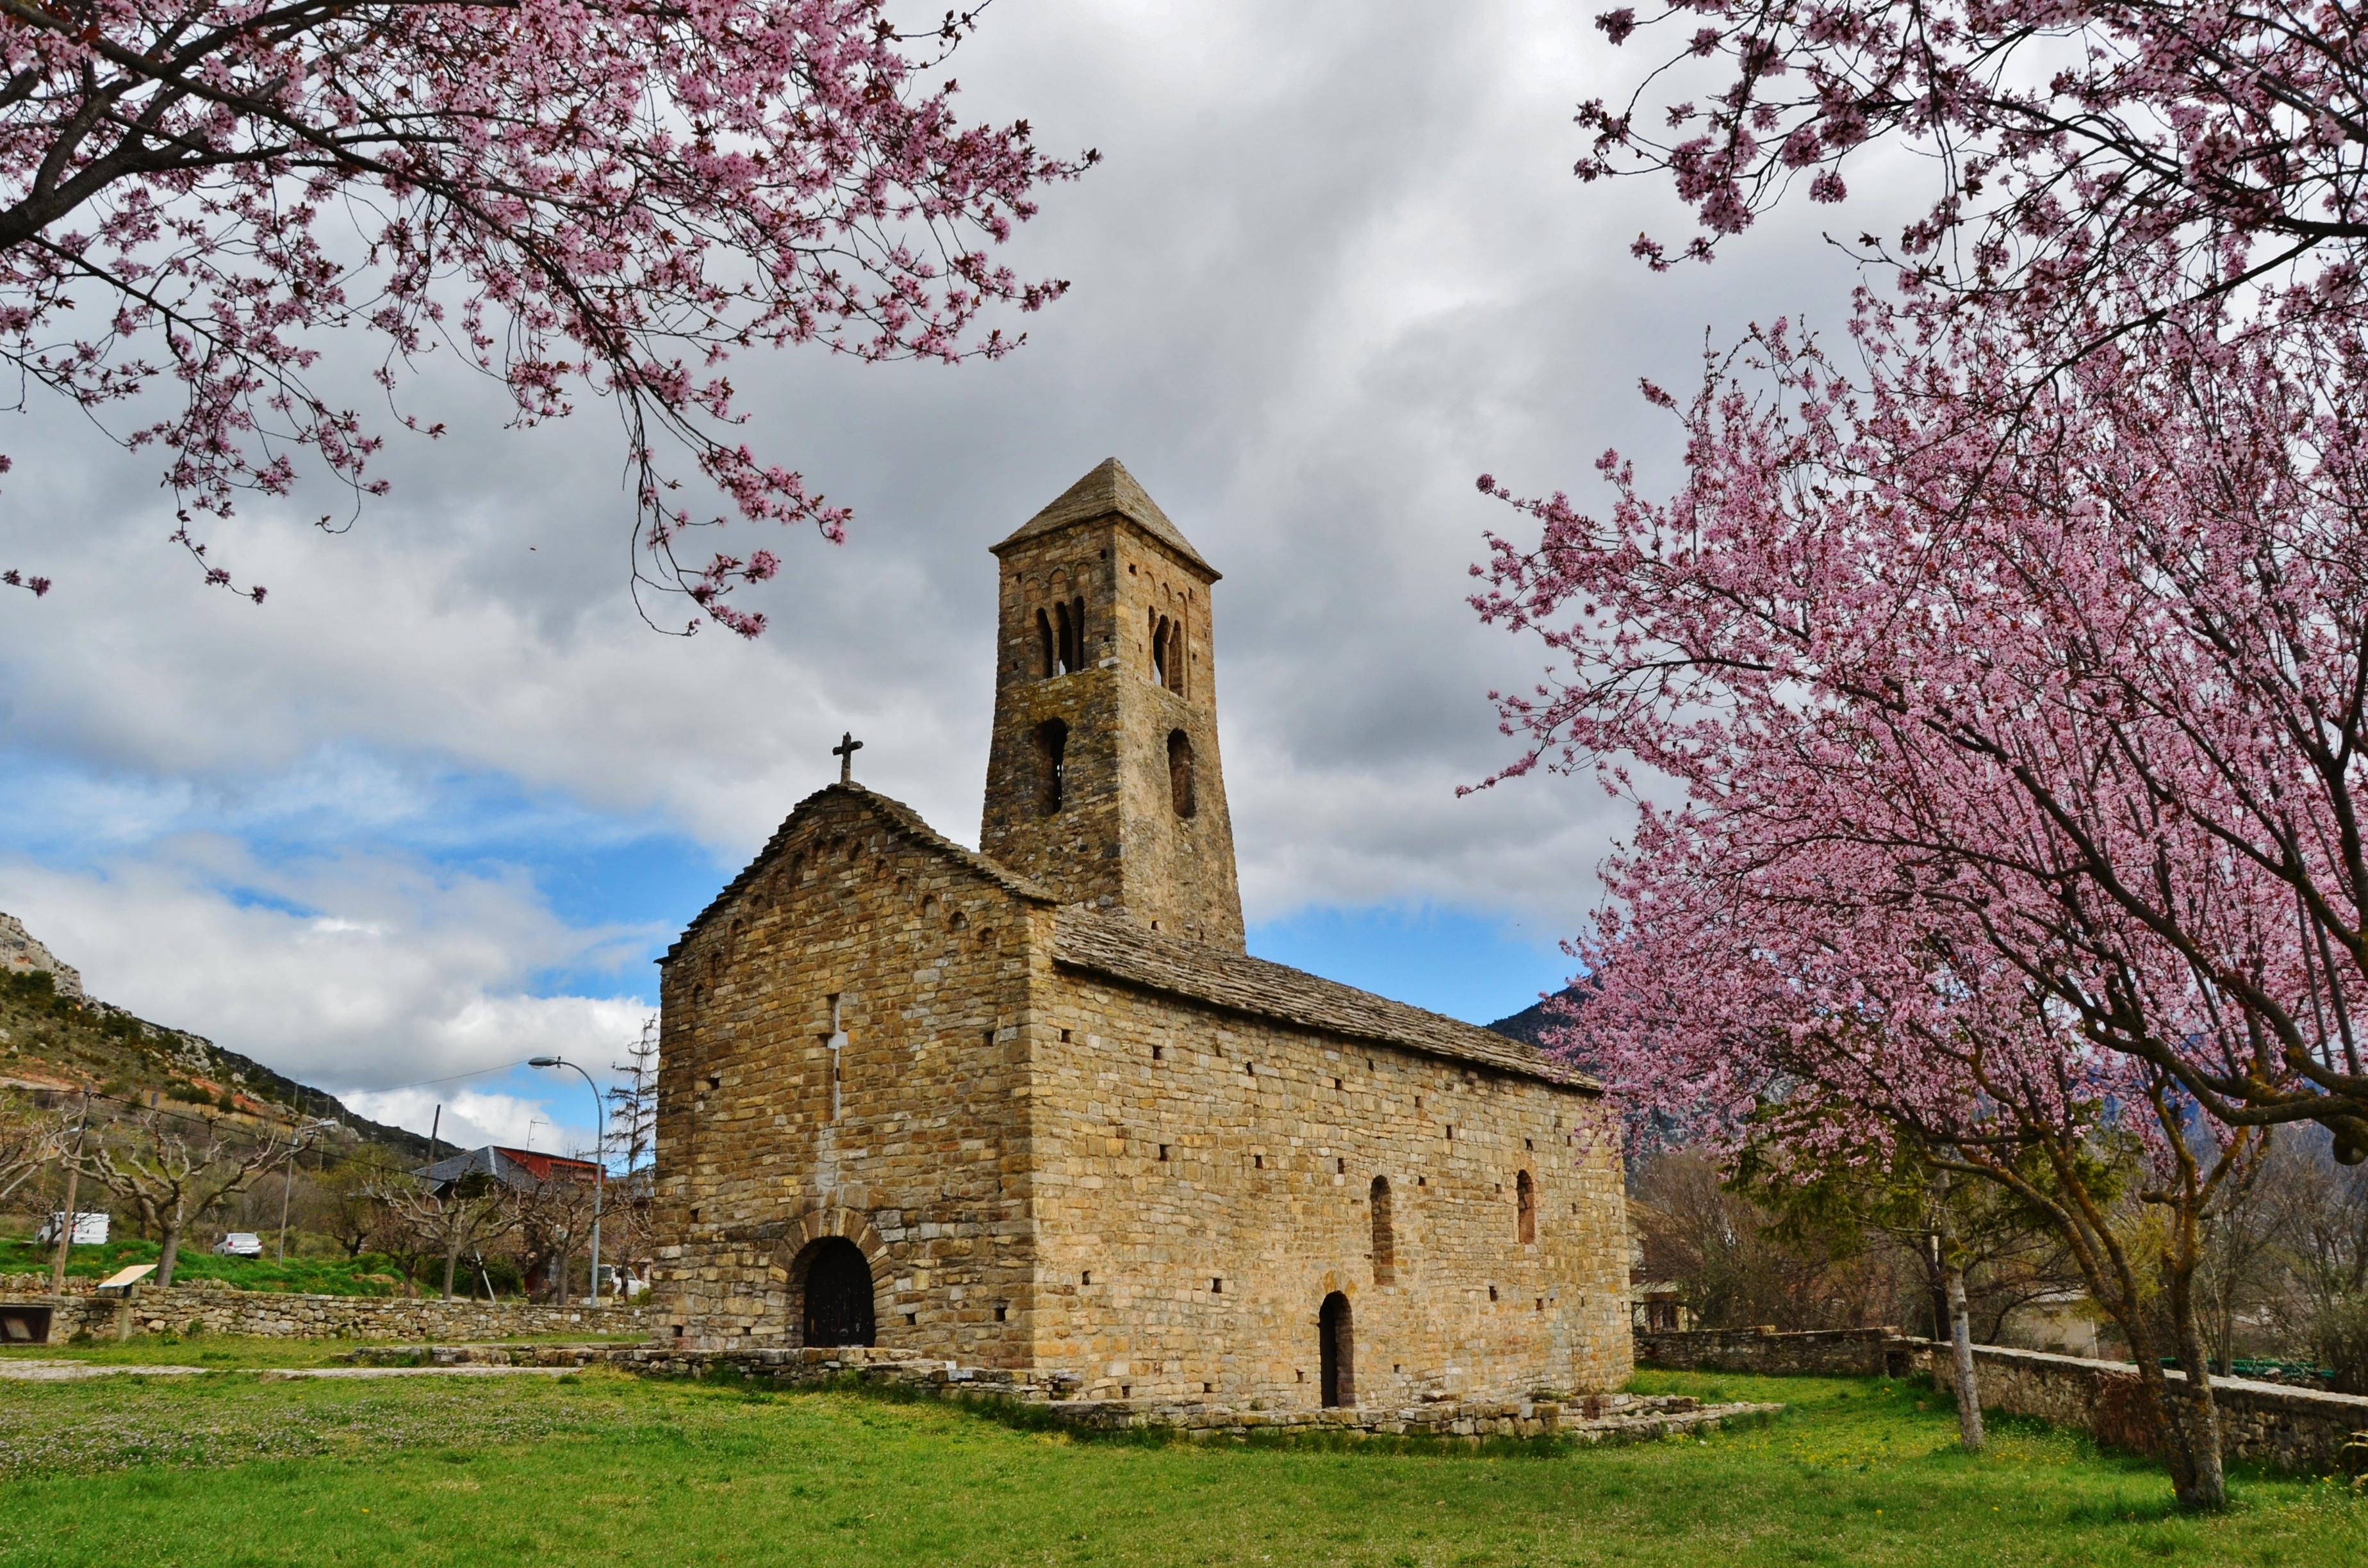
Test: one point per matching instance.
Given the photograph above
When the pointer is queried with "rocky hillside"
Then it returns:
(55, 1038)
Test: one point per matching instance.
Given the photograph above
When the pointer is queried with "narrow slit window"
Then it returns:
(1385, 1244)
(1525, 1201)
(1052, 760)
(1179, 773)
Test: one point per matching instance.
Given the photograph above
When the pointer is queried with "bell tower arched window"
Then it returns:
(1065, 641)
(1049, 662)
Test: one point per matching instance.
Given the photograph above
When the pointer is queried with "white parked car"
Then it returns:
(240, 1244)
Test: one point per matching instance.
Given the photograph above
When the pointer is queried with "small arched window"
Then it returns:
(1385, 1242)
(1172, 670)
(1048, 658)
(1179, 773)
(1158, 650)
(1051, 747)
(1064, 649)
(1525, 1199)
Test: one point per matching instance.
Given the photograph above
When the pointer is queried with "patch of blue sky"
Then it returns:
(1471, 966)
(630, 873)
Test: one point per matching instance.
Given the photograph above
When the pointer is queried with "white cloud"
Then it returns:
(351, 972)
(473, 1118)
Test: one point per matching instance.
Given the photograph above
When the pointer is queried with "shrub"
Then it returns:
(2340, 1340)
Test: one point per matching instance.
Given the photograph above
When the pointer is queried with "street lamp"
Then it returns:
(600, 1162)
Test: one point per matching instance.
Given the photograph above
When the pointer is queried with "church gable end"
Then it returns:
(838, 1062)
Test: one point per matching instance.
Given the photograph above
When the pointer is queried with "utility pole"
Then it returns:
(73, 1178)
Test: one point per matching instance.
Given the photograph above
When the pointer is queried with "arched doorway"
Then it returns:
(1339, 1352)
(838, 1293)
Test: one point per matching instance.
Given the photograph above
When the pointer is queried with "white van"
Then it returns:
(89, 1229)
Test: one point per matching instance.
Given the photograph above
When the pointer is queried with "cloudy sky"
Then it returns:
(434, 808)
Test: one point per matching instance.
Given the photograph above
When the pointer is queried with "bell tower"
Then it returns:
(1102, 780)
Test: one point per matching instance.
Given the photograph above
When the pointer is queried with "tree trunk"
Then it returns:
(169, 1257)
(451, 1264)
(2197, 1411)
(1961, 1347)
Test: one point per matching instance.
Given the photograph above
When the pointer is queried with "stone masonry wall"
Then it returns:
(925, 1167)
(1834, 1353)
(1203, 1181)
(270, 1314)
(2292, 1429)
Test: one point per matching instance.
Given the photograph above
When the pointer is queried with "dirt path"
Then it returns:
(54, 1372)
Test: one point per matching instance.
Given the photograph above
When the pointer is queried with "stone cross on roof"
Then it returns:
(845, 751)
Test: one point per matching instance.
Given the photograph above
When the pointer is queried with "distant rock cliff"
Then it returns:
(20, 953)
(60, 1040)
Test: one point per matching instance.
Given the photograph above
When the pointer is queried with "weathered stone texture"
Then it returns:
(924, 1165)
(274, 1314)
(1078, 1130)
(1218, 1191)
(2292, 1429)
(1830, 1352)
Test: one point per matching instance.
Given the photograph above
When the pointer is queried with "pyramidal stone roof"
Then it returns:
(1109, 491)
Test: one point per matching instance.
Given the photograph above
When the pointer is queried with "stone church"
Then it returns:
(1034, 1107)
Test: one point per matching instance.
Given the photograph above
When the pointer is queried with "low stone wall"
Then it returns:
(271, 1315)
(1589, 1418)
(2292, 1429)
(1834, 1353)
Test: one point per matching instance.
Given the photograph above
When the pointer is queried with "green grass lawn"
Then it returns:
(608, 1469)
(369, 1275)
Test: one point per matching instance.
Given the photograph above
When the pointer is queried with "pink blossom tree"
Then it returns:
(2070, 143)
(2019, 725)
(607, 200)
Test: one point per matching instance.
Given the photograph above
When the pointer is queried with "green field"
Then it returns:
(602, 1469)
(369, 1275)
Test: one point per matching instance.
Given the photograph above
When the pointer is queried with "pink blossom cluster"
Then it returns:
(2068, 138)
(608, 198)
(2021, 727)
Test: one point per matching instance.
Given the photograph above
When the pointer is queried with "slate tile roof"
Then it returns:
(1116, 947)
(1109, 491)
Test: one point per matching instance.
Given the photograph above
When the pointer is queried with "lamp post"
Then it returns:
(600, 1162)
